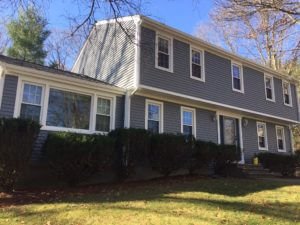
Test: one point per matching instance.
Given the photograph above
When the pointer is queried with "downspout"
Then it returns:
(137, 67)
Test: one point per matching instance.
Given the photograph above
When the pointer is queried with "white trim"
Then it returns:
(202, 60)
(289, 93)
(193, 111)
(217, 103)
(273, 88)
(161, 112)
(265, 135)
(283, 138)
(170, 46)
(119, 19)
(218, 127)
(240, 66)
(2, 80)
(137, 65)
(292, 139)
(127, 106)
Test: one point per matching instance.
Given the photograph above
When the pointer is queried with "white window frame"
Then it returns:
(273, 88)
(112, 112)
(161, 107)
(2, 78)
(193, 111)
(170, 45)
(289, 92)
(283, 138)
(242, 90)
(192, 48)
(266, 136)
(21, 98)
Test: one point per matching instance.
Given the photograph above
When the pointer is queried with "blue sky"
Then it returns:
(181, 14)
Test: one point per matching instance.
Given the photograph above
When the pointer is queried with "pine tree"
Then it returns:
(28, 34)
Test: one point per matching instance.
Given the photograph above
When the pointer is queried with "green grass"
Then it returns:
(201, 201)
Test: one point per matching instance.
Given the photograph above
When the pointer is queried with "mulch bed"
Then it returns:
(30, 196)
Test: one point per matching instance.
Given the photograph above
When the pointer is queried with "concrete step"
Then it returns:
(257, 171)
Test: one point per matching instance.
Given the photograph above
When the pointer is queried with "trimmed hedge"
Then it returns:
(284, 164)
(17, 137)
(168, 152)
(131, 148)
(76, 157)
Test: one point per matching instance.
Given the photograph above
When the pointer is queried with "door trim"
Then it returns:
(236, 116)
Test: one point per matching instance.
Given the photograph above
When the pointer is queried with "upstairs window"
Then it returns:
(280, 138)
(188, 126)
(31, 102)
(103, 115)
(154, 116)
(197, 67)
(287, 96)
(164, 53)
(262, 136)
(269, 88)
(237, 77)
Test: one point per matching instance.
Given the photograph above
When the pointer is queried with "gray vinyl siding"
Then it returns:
(109, 54)
(206, 128)
(119, 116)
(250, 140)
(218, 81)
(9, 96)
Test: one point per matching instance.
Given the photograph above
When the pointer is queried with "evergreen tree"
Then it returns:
(28, 34)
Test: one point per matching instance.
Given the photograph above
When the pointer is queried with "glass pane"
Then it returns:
(269, 93)
(237, 83)
(187, 130)
(286, 99)
(103, 106)
(236, 71)
(153, 112)
(196, 70)
(280, 144)
(163, 60)
(68, 109)
(32, 94)
(279, 133)
(196, 57)
(163, 45)
(286, 88)
(102, 123)
(262, 143)
(31, 112)
(268, 83)
(153, 126)
(229, 131)
(260, 130)
(187, 118)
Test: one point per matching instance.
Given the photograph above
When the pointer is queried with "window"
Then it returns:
(154, 116)
(31, 102)
(68, 109)
(262, 136)
(103, 115)
(280, 138)
(197, 68)
(164, 53)
(287, 96)
(188, 125)
(237, 77)
(269, 88)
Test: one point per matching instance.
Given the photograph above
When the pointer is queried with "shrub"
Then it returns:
(131, 148)
(167, 153)
(200, 155)
(17, 137)
(225, 159)
(76, 157)
(284, 164)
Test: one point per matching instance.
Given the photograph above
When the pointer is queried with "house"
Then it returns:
(158, 78)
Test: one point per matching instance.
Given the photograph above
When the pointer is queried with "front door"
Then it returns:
(229, 131)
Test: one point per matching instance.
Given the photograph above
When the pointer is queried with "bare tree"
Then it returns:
(266, 35)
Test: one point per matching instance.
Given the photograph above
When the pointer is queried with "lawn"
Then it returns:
(173, 201)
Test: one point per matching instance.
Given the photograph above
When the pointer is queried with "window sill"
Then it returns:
(198, 79)
(271, 100)
(263, 149)
(238, 91)
(281, 150)
(164, 69)
(289, 105)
